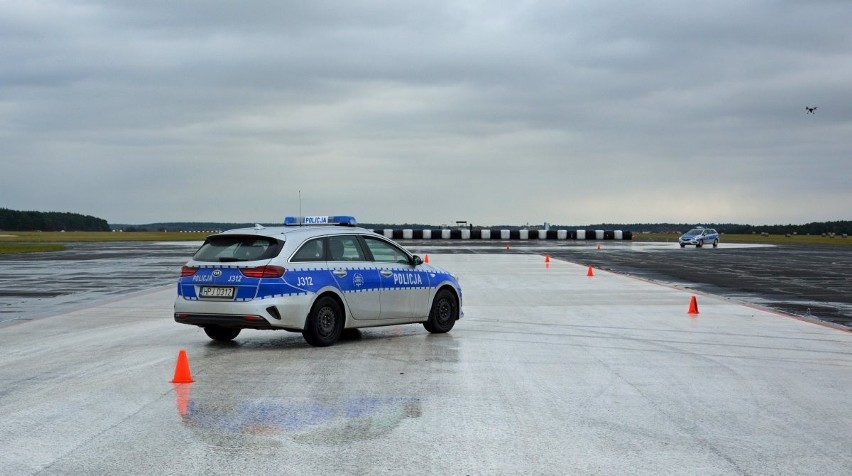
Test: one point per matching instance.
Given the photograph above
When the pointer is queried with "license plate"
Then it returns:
(217, 292)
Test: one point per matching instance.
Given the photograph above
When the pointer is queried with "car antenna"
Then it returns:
(300, 207)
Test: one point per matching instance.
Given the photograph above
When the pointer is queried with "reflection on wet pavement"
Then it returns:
(317, 422)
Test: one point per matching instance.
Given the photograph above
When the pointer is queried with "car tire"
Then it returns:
(222, 334)
(715, 243)
(324, 324)
(683, 245)
(444, 312)
(699, 244)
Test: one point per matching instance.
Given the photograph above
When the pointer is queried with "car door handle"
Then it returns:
(387, 273)
(339, 273)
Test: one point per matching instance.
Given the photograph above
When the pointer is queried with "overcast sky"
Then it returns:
(495, 112)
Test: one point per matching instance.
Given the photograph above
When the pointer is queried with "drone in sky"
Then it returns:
(811, 110)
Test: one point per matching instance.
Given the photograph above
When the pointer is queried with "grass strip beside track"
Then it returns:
(14, 242)
(96, 236)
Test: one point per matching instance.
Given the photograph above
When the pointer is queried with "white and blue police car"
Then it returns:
(699, 236)
(309, 277)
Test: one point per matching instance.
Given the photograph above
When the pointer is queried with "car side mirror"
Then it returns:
(416, 260)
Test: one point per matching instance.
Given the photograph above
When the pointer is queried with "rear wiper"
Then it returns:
(228, 260)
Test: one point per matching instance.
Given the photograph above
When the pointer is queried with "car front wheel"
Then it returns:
(715, 243)
(325, 323)
(221, 334)
(445, 311)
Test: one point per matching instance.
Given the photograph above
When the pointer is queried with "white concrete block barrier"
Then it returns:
(503, 234)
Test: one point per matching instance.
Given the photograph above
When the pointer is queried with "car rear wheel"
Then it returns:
(325, 323)
(221, 334)
(445, 311)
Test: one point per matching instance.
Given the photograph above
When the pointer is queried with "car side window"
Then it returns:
(311, 250)
(345, 248)
(385, 252)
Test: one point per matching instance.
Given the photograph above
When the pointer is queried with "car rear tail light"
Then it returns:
(263, 272)
(187, 271)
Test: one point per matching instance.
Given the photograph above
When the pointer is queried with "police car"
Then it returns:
(699, 236)
(309, 277)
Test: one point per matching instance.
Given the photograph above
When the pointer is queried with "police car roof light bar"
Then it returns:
(344, 220)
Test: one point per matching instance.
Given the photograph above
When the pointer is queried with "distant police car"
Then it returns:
(310, 278)
(699, 237)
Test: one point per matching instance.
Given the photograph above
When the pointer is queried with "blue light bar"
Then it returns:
(320, 220)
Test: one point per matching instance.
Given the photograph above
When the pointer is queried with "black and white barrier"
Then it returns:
(494, 234)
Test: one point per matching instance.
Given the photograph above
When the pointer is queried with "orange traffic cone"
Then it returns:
(426, 260)
(507, 246)
(590, 273)
(182, 373)
(693, 306)
(547, 258)
(599, 246)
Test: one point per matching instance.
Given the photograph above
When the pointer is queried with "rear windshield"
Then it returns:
(232, 248)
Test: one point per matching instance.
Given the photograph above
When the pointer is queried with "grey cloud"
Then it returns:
(423, 111)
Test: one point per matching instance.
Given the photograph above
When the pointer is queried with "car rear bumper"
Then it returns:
(287, 312)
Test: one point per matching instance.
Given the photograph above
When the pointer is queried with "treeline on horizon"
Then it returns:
(814, 228)
(14, 220)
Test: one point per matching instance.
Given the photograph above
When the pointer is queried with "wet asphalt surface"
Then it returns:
(809, 281)
(804, 281)
(35, 285)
